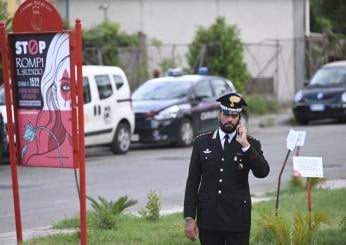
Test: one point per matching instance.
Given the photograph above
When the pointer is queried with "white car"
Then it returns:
(108, 115)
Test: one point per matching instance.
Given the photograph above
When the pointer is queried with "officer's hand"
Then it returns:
(191, 229)
(242, 135)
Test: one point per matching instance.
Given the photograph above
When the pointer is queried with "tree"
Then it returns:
(4, 16)
(221, 50)
(106, 38)
(328, 14)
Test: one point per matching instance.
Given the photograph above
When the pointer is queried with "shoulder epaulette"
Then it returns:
(202, 134)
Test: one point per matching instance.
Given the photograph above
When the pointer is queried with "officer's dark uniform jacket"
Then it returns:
(217, 188)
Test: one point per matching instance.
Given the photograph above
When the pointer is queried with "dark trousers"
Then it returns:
(207, 237)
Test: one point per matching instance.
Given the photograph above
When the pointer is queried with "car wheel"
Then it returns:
(186, 133)
(122, 139)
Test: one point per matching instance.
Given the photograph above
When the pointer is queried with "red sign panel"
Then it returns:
(41, 73)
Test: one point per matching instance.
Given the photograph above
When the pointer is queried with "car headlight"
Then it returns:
(298, 96)
(343, 97)
(168, 113)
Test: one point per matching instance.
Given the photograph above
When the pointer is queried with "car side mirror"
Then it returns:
(195, 100)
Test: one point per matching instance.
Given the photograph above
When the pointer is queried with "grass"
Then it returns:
(168, 230)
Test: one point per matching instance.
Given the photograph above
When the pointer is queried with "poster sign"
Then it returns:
(292, 139)
(41, 72)
(308, 166)
(301, 138)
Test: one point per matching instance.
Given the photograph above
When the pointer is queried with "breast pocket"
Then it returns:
(208, 160)
(239, 162)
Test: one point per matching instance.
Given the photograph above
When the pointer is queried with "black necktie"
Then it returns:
(226, 143)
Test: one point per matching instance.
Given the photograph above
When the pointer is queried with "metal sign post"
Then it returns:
(279, 182)
(16, 199)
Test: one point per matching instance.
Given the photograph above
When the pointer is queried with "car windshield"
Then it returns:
(330, 76)
(162, 90)
(2, 95)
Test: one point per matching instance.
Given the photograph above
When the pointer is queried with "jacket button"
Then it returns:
(220, 180)
(221, 169)
(222, 159)
(220, 192)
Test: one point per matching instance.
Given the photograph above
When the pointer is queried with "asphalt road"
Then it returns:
(48, 195)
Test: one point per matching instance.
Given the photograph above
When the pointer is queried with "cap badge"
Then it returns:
(234, 99)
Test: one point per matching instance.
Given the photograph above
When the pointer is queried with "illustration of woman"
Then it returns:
(48, 141)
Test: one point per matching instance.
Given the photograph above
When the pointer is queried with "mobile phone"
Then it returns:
(238, 133)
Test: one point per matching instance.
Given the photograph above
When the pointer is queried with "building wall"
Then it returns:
(279, 23)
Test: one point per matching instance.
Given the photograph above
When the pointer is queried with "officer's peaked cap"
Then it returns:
(232, 103)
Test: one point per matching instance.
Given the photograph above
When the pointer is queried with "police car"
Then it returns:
(175, 108)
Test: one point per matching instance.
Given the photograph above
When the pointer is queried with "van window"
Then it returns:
(119, 82)
(86, 90)
(104, 86)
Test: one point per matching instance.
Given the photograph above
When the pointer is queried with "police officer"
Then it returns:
(217, 205)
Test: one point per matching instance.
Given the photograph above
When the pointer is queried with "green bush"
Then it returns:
(152, 209)
(297, 183)
(342, 224)
(282, 231)
(106, 212)
(106, 37)
(220, 49)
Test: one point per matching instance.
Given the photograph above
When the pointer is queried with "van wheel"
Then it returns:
(186, 133)
(122, 139)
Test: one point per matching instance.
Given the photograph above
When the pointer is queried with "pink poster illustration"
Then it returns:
(44, 115)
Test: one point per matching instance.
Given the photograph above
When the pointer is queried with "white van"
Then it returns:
(108, 114)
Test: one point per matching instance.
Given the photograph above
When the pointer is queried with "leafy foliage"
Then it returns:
(280, 231)
(342, 224)
(298, 184)
(107, 37)
(106, 211)
(152, 209)
(4, 16)
(328, 15)
(302, 233)
(221, 50)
